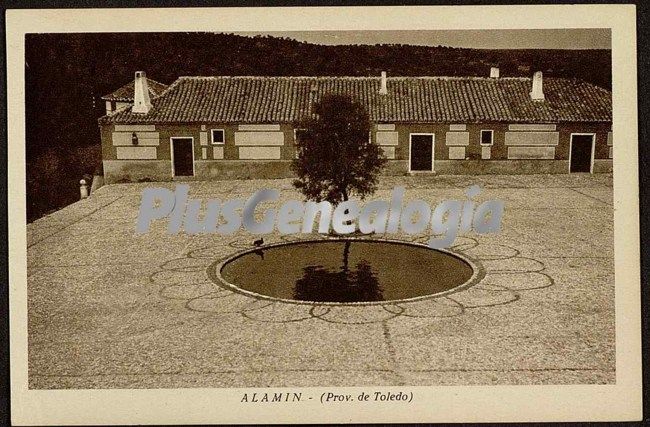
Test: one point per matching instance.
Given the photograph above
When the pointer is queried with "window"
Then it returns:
(487, 137)
(297, 133)
(218, 136)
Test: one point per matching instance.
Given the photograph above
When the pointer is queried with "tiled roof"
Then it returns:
(125, 93)
(409, 99)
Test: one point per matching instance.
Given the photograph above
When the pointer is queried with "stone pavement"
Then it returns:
(112, 309)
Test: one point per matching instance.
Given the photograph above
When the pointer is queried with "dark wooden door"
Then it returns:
(421, 152)
(581, 146)
(183, 158)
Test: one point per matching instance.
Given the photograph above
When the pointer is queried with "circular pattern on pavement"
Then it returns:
(504, 276)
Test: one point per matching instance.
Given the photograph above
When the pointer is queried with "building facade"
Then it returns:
(244, 127)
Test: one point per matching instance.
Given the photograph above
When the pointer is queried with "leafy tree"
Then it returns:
(335, 156)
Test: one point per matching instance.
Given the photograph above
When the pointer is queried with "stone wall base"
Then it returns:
(137, 170)
(396, 167)
(603, 165)
(500, 167)
(160, 170)
(495, 167)
(243, 169)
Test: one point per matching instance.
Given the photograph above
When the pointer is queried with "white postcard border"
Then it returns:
(621, 401)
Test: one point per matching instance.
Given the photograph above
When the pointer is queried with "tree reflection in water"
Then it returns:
(347, 285)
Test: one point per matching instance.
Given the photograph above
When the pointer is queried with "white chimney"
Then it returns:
(384, 87)
(537, 94)
(494, 72)
(141, 101)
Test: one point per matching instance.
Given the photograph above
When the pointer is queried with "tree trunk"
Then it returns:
(345, 199)
(346, 256)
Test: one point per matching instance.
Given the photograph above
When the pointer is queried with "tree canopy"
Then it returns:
(336, 158)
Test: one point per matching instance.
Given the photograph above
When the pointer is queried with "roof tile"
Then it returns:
(227, 99)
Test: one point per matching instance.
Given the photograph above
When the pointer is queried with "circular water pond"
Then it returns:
(345, 271)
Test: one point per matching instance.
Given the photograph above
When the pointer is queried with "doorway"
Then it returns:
(581, 155)
(421, 152)
(182, 156)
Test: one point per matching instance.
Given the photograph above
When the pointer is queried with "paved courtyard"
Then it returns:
(112, 309)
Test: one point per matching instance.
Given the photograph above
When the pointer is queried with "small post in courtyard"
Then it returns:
(83, 189)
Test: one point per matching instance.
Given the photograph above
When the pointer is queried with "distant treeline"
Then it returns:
(66, 75)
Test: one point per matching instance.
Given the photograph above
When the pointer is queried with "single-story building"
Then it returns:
(242, 127)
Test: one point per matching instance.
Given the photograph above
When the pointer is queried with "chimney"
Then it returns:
(384, 87)
(537, 94)
(141, 101)
(494, 72)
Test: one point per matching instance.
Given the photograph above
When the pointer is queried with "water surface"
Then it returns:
(346, 271)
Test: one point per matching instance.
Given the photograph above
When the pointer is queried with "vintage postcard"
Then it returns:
(323, 214)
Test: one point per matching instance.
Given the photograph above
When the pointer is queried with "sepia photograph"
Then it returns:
(313, 216)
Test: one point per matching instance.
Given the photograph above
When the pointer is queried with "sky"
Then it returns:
(582, 38)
